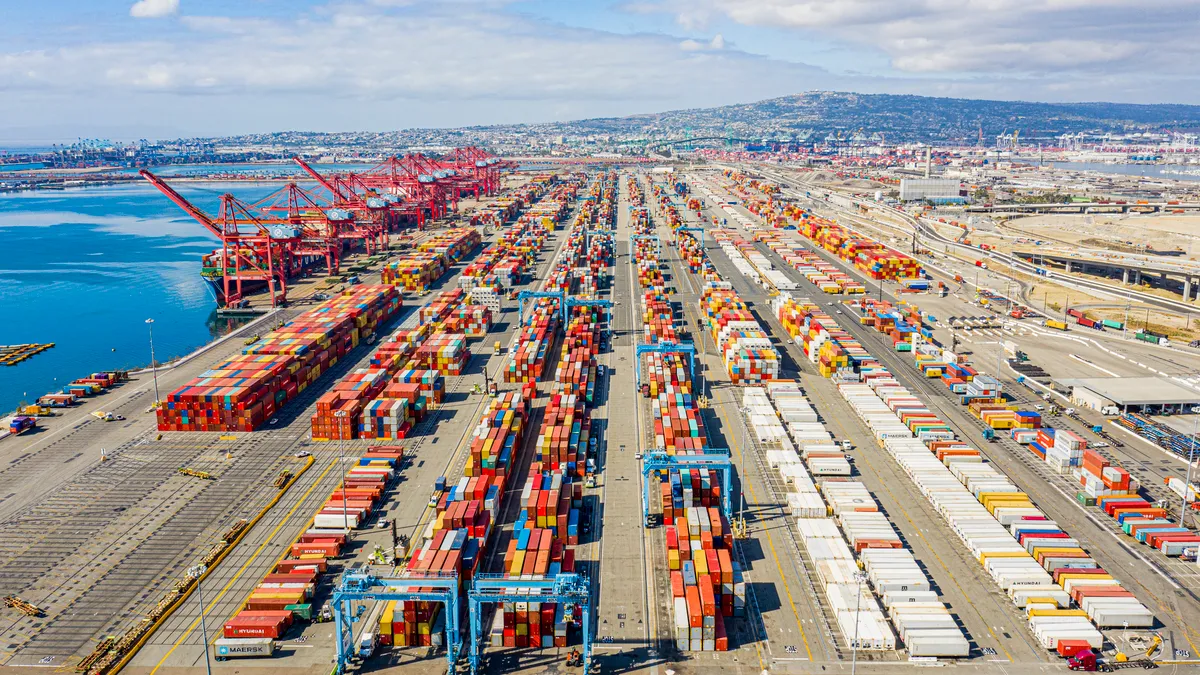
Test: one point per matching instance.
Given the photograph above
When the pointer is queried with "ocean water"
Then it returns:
(1155, 171)
(85, 267)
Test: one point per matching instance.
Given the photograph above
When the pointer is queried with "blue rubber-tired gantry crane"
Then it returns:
(569, 590)
(363, 587)
(635, 238)
(525, 296)
(685, 348)
(703, 243)
(713, 458)
(606, 305)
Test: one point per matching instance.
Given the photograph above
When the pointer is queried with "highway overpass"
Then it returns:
(1084, 207)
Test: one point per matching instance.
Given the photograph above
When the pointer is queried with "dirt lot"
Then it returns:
(1126, 233)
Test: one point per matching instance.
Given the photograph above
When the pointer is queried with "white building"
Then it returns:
(913, 189)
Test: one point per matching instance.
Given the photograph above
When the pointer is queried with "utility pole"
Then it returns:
(1187, 482)
(153, 363)
(858, 577)
(195, 573)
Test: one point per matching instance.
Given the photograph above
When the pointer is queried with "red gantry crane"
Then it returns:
(252, 251)
(376, 214)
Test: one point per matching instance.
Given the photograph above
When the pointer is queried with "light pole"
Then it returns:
(195, 573)
(1187, 482)
(742, 474)
(341, 416)
(859, 577)
(153, 363)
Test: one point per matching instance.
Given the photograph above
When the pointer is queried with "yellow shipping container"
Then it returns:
(386, 619)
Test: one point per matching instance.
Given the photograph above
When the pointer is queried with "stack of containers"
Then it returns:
(339, 411)
(473, 321)
(533, 343)
(415, 271)
(454, 244)
(285, 594)
(657, 320)
(446, 353)
(1067, 450)
(547, 526)
(241, 393)
(455, 541)
(856, 610)
(495, 439)
(746, 349)
(706, 583)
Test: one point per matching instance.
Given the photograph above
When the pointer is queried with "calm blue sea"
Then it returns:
(85, 267)
(1168, 171)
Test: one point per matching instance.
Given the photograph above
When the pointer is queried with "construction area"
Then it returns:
(611, 421)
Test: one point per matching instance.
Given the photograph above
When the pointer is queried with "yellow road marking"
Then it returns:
(254, 556)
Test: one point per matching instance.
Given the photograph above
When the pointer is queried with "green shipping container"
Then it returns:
(1084, 499)
(303, 612)
(1109, 323)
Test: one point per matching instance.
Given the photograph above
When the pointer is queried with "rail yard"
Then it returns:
(696, 418)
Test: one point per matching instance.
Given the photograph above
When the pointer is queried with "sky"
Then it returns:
(122, 69)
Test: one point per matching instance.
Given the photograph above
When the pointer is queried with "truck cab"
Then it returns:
(366, 645)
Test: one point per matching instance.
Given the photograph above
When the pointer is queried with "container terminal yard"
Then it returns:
(828, 455)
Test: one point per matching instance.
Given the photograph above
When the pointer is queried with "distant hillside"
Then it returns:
(910, 118)
(813, 115)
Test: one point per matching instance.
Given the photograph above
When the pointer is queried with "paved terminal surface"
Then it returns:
(1166, 585)
(95, 544)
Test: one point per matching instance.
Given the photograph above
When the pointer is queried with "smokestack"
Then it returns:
(928, 159)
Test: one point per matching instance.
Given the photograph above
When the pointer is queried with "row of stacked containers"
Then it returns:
(536, 340)
(547, 526)
(1041, 567)
(456, 540)
(822, 274)
(242, 392)
(867, 255)
(1043, 570)
(750, 261)
(707, 584)
(507, 262)
(1111, 488)
(842, 529)
(900, 322)
(416, 271)
(285, 595)
(406, 376)
(453, 541)
(745, 347)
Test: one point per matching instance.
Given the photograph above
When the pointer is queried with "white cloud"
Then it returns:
(958, 37)
(718, 42)
(154, 9)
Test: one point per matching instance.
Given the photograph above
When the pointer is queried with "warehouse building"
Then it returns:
(1131, 394)
(938, 190)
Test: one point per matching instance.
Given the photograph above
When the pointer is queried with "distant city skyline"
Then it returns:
(176, 68)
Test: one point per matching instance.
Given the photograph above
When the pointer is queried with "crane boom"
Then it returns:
(317, 177)
(180, 201)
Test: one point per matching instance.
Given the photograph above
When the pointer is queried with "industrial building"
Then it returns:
(940, 190)
(1138, 394)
